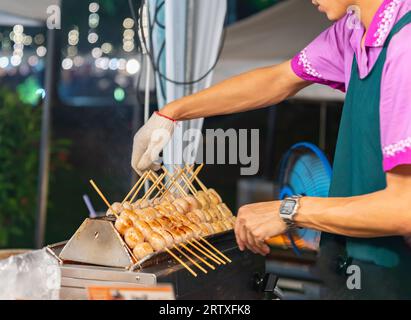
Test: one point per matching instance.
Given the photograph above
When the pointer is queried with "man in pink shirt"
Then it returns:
(367, 53)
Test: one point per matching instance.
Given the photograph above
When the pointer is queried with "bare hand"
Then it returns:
(256, 223)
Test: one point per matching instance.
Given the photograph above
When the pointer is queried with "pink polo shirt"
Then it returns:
(328, 60)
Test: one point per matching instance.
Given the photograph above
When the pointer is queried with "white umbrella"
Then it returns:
(193, 31)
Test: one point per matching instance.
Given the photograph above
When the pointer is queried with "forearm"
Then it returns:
(383, 213)
(252, 90)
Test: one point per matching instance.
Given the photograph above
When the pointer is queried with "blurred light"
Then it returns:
(93, 20)
(103, 84)
(128, 46)
(67, 64)
(102, 63)
(92, 37)
(96, 53)
(128, 34)
(39, 39)
(11, 35)
(128, 23)
(33, 61)
(4, 62)
(24, 70)
(93, 7)
(18, 28)
(106, 47)
(113, 64)
(28, 40)
(41, 51)
(122, 64)
(73, 37)
(133, 66)
(78, 61)
(18, 52)
(119, 94)
(41, 92)
(72, 51)
(18, 38)
(15, 60)
(121, 80)
(27, 90)
(18, 46)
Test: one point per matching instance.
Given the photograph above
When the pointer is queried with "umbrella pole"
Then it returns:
(44, 156)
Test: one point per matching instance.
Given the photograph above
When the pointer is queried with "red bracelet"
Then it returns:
(164, 116)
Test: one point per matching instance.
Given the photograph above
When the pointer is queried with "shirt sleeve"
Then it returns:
(395, 103)
(322, 61)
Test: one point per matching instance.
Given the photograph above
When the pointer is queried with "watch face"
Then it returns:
(288, 207)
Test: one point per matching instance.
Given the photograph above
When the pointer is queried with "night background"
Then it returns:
(92, 121)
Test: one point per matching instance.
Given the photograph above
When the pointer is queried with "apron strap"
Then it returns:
(405, 20)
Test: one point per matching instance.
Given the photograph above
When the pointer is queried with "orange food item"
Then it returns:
(133, 237)
(142, 250)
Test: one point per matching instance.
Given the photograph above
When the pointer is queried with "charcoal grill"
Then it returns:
(97, 255)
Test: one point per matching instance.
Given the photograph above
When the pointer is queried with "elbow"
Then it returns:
(403, 220)
(405, 227)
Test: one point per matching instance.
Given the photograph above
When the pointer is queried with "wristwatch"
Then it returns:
(288, 210)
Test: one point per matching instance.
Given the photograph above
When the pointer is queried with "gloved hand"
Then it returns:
(149, 141)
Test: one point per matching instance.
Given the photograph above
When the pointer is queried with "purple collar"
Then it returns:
(382, 23)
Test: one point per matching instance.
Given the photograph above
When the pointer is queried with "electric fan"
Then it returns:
(306, 171)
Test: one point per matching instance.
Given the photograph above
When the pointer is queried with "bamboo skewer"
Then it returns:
(127, 248)
(198, 257)
(188, 183)
(134, 187)
(167, 187)
(154, 178)
(190, 259)
(207, 252)
(153, 187)
(195, 177)
(196, 171)
(205, 189)
(109, 206)
(164, 189)
(149, 192)
(185, 184)
(170, 183)
(215, 249)
(181, 262)
(182, 191)
(208, 255)
(180, 172)
(103, 197)
(139, 188)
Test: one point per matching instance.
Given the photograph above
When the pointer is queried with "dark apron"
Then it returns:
(385, 262)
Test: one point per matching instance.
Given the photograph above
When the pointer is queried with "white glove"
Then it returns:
(149, 141)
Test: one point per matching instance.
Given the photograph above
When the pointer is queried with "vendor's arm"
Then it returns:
(320, 62)
(252, 90)
(379, 214)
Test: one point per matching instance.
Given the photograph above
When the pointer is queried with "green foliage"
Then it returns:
(19, 142)
(29, 91)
